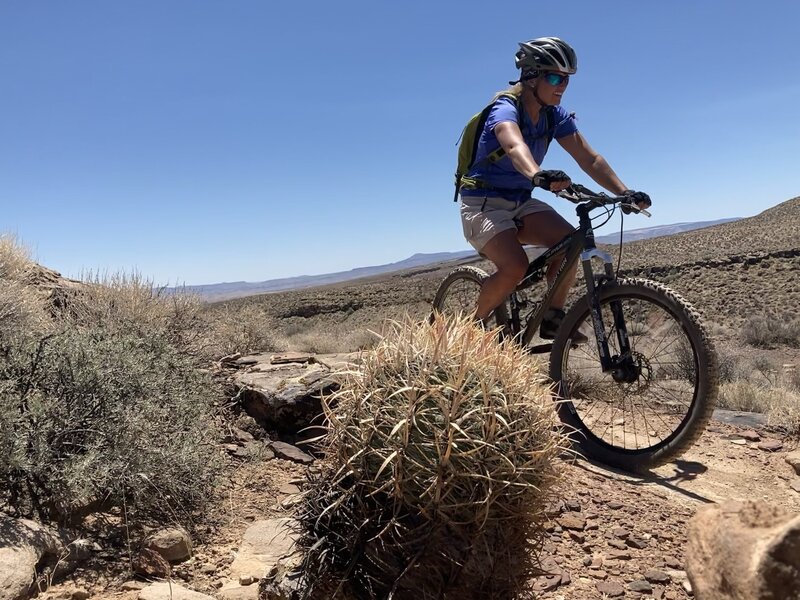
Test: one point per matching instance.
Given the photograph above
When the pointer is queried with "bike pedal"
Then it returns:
(540, 348)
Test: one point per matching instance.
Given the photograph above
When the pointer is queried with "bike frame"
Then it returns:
(578, 245)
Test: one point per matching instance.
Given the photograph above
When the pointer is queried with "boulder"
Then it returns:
(744, 551)
(149, 563)
(282, 392)
(25, 546)
(174, 544)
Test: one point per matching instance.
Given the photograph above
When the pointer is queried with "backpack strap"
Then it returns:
(550, 130)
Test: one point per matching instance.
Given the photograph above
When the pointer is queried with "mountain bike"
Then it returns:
(643, 388)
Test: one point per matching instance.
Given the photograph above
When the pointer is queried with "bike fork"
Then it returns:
(607, 362)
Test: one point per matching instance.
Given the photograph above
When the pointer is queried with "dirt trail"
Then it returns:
(625, 536)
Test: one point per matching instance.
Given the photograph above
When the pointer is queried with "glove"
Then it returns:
(544, 179)
(639, 199)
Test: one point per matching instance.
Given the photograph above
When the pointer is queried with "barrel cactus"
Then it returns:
(440, 462)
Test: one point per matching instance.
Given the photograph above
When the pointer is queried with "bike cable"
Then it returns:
(621, 229)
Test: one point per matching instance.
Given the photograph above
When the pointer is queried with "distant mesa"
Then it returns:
(216, 292)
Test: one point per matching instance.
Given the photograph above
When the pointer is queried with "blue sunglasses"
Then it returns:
(555, 79)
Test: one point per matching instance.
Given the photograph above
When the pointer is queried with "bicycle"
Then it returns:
(643, 390)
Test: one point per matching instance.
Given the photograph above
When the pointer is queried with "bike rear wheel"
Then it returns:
(645, 415)
(458, 295)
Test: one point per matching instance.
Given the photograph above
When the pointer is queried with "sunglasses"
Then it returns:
(555, 79)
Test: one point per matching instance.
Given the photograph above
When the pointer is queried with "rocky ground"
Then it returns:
(611, 535)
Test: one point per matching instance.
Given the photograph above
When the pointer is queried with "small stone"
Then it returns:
(587, 561)
(639, 543)
(795, 485)
(612, 589)
(619, 555)
(656, 576)
(793, 458)
(150, 563)
(572, 505)
(80, 594)
(566, 579)
(247, 580)
(750, 435)
(572, 521)
(619, 544)
(640, 586)
(130, 586)
(614, 505)
(597, 574)
(770, 445)
(289, 452)
(577, 537)
(658, 592)
(621, 532)
(687, 587)
(739, 442)
(672, 562)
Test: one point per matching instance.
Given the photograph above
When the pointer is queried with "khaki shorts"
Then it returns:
(485, 217)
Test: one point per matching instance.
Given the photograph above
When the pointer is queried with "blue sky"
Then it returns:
(201, 141)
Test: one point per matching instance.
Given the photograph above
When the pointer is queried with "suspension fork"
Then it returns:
(607, 362)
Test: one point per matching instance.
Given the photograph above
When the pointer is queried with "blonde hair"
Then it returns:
(514, 90)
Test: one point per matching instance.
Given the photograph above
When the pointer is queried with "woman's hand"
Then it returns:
(552, 181)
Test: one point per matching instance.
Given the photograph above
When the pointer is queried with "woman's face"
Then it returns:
(551, 86)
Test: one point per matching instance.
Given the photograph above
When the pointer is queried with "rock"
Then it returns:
(618, 544)
(770, 445)
(132, 585)
(672, 562)
(24, 545)
(656, 576)
(750, 550)
(149, 563)
(614, 505)
(232, 590)
(612, 589)
(620, 532)
(639, 543)
(572, 521)
(289, 452)
(640, 586)
(750, 435)
(166, 590)
(284, 397)
(619, 555)
(291, 357)
(265, 543)
(793, 458)
(795, 485)
(174, 544)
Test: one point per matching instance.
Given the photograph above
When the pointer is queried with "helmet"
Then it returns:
(546, 54)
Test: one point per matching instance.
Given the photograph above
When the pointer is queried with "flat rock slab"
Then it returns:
(166, 590)
(289, 452)
(291, 357)
(748, 420)
(233, 590)
(265, 543)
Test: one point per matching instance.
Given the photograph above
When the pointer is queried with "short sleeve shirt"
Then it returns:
(501, 176)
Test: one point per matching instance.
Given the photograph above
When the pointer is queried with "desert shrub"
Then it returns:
(742, 394)
(105, 407)
(767, 331)
(785, 411)
(439, 465)
(332, 342)
(244, 328)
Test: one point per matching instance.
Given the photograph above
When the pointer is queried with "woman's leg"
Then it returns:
(547, 228)
(506, 252)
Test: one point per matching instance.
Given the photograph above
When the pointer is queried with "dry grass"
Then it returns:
(440, 453)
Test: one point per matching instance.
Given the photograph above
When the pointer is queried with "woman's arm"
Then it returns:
(511, 140)
(594, 165)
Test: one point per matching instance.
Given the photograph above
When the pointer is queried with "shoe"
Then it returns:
(551, 324)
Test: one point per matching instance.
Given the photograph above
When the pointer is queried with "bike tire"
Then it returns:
(458, 294)
(690, 379)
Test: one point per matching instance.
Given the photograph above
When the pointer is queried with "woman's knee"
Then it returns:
(512, 269)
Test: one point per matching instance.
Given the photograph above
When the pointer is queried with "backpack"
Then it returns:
(470, 136)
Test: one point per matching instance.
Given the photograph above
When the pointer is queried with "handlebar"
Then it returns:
(579, 194)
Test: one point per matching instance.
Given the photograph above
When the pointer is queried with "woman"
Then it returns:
(497, 211)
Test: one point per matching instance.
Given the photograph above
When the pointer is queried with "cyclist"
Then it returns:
(497, 211)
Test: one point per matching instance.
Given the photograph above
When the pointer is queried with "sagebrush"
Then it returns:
(102, 404)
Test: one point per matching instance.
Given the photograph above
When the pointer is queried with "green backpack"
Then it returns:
(468, 147)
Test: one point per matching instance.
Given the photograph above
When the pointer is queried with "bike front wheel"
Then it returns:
(458, 295)
(652, 410)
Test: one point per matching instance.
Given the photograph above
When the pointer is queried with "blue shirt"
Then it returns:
(501, 177)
